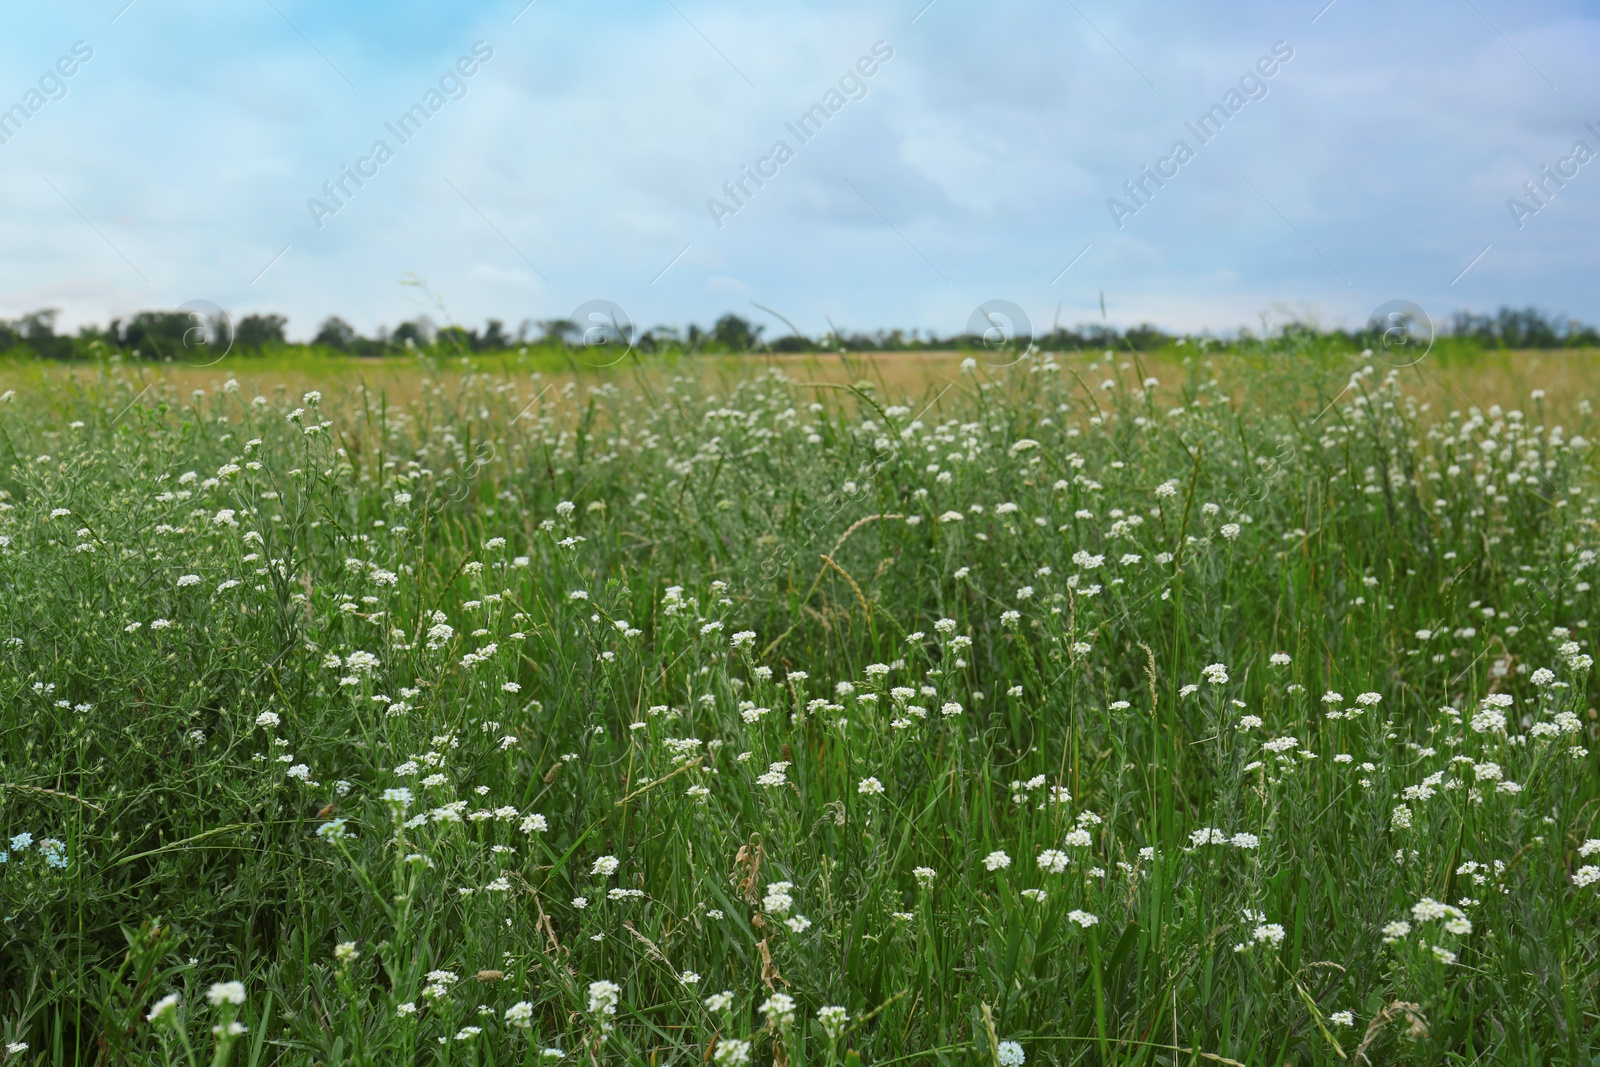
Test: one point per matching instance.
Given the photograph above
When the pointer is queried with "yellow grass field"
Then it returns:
(1456, 382)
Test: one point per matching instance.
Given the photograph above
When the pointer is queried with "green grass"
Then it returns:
(517, 599)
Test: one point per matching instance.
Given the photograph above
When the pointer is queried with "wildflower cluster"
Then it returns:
(503, 715)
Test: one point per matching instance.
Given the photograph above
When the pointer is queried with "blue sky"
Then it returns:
(977, 163)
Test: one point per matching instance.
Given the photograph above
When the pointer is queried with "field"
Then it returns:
(1183, 708)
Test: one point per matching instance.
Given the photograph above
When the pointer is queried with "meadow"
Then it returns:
(997, 708)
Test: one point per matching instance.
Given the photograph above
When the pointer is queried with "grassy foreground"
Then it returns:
(1045, 714)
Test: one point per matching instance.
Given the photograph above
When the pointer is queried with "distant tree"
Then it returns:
(1581, 334)
(37, 330)
(1528, 328)
(1060, 339)
(556, 331)
(457, 338)
(1513, 328)
(156, 334)
(336, 333)
(39, 325)
(1465, 324)
(418, 333)
(1146, 336)
(735, 333)
(495, 338)
(255, 332)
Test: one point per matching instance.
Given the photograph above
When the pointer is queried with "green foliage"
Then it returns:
(1055, 713)
(196, 338)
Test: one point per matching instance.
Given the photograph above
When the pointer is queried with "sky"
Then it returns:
(193, 152)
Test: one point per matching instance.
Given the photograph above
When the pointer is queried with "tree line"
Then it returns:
(164, 335)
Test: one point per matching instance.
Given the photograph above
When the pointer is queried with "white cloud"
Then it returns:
(983, 153)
